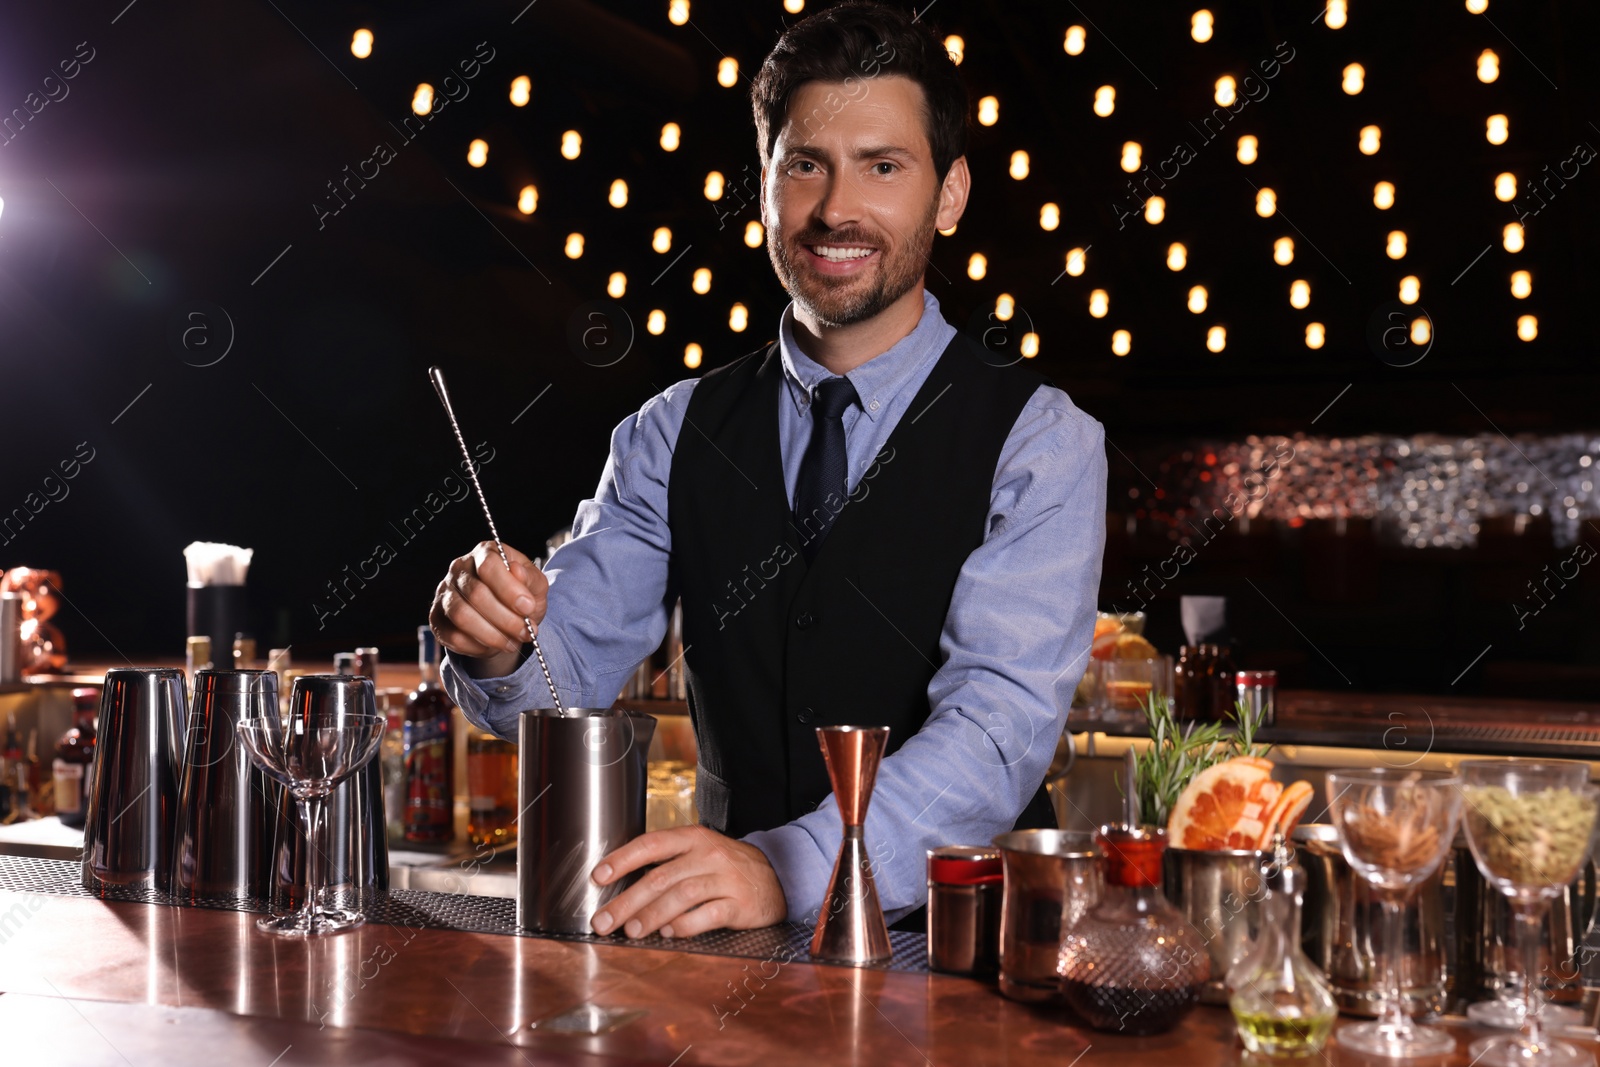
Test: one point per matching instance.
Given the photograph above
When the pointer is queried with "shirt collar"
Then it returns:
(880, 378)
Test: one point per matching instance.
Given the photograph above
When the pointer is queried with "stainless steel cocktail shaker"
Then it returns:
(583, 777)
(127, 838)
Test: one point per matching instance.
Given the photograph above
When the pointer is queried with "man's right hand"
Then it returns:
(479, 607)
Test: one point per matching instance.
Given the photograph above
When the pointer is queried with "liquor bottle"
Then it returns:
(492, 788)
(16, 770)
(366, 664)
(35, 801)
(1191, 689)
(1224, 688)
(73, 769)
(197, 657)
(430, 788)
(392, 763)
(344, 663)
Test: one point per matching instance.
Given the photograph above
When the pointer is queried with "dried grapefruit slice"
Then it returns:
(1225, 806)
(1105, 637)
(1132, 646)
(1285, 812)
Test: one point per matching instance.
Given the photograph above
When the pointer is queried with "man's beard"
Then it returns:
(845, 301)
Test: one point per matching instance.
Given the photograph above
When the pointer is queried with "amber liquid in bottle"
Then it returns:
(430, 786)
(492, 786)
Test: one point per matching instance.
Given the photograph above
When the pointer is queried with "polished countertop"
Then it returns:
(90, 981)
(1408, 724)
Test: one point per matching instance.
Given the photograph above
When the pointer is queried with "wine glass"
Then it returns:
(1395, 827)
(1528, 824)
(330, 733)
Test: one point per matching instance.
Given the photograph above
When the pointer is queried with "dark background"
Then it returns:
(191, 149)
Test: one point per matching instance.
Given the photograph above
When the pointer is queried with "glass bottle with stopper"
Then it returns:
(1132, 963)
(1282, 1004)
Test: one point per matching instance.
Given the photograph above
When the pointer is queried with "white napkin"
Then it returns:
(1205, 618)
(216, 564)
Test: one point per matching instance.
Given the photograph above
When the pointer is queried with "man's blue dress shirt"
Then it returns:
(1014, 644)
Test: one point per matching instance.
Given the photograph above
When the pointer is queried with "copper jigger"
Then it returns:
(852, 929)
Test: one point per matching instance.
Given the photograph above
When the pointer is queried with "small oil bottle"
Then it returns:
(1282, 1004)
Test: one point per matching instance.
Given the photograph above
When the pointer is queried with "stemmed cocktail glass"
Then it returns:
(1528, 824)
(330, 733)
(1395, 828)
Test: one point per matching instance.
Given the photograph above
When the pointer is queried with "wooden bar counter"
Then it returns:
(93, 982)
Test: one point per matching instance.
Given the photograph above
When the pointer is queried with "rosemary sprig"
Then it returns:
(1178, 753)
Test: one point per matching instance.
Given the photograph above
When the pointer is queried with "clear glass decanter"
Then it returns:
(1132, 963)
(1282, 1003)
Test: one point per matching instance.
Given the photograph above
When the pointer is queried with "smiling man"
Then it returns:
(869, 522)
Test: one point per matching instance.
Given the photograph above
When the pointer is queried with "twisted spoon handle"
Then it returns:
(436, 376)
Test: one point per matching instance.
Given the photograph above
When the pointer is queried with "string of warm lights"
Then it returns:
(1225, 89)
(1203, 25)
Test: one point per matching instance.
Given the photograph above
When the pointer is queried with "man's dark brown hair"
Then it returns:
(850, 43)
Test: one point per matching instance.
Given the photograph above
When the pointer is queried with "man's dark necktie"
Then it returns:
(822, 471)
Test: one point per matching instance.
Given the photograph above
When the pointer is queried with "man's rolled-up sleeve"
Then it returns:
(607, 608)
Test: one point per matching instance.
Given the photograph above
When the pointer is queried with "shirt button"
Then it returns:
(872, 406)
(804, 620)
(502, 690)
(807, 716)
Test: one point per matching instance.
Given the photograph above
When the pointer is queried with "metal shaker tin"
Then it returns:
(965, 891)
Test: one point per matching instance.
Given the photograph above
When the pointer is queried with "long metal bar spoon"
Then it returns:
(436, 376)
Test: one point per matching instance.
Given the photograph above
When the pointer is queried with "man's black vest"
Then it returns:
(775, 648)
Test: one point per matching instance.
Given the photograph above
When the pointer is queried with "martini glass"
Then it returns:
(1528, 824)
(1395, 828)
(331, 732)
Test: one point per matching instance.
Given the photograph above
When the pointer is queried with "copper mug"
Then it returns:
(1051, 878)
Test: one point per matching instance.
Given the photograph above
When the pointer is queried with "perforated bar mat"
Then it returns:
(420, 909)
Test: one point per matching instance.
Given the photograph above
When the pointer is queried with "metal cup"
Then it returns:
(227, 805)
(357, 863)
(582, 781)
(1051, 878)
(1219, 892)
(127, 837)
(1342, 924)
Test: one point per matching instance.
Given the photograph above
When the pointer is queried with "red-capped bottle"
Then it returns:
(429, 755)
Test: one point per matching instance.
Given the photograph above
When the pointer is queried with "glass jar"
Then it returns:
(1257, 691)
(1131, 963)
(1282, 1004)
(965, 892)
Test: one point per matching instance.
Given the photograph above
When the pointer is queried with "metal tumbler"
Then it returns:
(353, 831)
(1219, 892)
(582, 780)
(226, 804)
(1341, 924)
(127, 837)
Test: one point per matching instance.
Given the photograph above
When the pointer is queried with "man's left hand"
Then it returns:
(704, 881)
